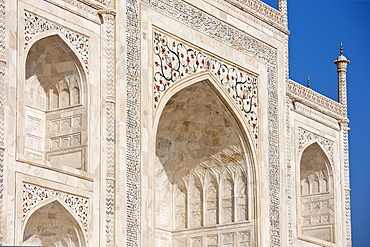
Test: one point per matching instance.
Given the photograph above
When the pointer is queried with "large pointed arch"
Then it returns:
(68, 48)
(208, 78)
(199, 129)
(52, 222)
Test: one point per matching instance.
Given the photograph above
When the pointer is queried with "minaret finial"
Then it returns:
(308, 82)
(341, 48)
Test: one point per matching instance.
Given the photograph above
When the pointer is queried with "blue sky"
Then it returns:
(317, 27)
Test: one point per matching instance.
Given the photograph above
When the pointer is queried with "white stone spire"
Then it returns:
(341, 63)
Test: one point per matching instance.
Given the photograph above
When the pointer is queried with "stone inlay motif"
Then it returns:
(35, 24)
(33, 194)
(175, 60)
(316, 98)
(305, 137)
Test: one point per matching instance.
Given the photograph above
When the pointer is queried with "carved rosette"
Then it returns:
(34, 24)
(33, 195)
(174, 60)
(306, 137)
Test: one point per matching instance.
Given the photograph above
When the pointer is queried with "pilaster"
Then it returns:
(108, 83)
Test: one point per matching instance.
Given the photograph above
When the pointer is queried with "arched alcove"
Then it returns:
(317, 216)
(53, 98)
(52, 225)
(200, 151)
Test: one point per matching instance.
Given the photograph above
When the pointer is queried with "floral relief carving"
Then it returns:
(33, 195)
(175, 60)
(35, 24)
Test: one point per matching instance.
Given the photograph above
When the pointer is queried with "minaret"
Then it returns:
(283, 8)
(342, 63)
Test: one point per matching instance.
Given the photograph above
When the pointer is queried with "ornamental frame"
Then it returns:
(237, 39)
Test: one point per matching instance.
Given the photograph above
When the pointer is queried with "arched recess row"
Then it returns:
(316, 190)
(204, 167)
(52, 224)
(54, 119)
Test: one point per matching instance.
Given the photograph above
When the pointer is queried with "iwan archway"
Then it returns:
(204, 170)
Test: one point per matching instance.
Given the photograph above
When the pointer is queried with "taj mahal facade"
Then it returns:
(165, 123)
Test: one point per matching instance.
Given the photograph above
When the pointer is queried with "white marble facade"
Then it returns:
(168, 123)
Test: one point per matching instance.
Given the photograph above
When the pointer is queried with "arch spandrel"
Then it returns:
(306, 138)
(37, 28)
(175, 61)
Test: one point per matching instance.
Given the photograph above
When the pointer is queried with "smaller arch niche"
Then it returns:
(52, 225)
(199, 151)
(52, 66)
(53, 82)
(316, 195)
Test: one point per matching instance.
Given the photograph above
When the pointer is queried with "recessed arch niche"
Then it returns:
(203, 174)
(54, 104)
(53, 225)
(316, 188)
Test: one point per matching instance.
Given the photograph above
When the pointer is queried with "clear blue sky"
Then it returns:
(317, 27)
